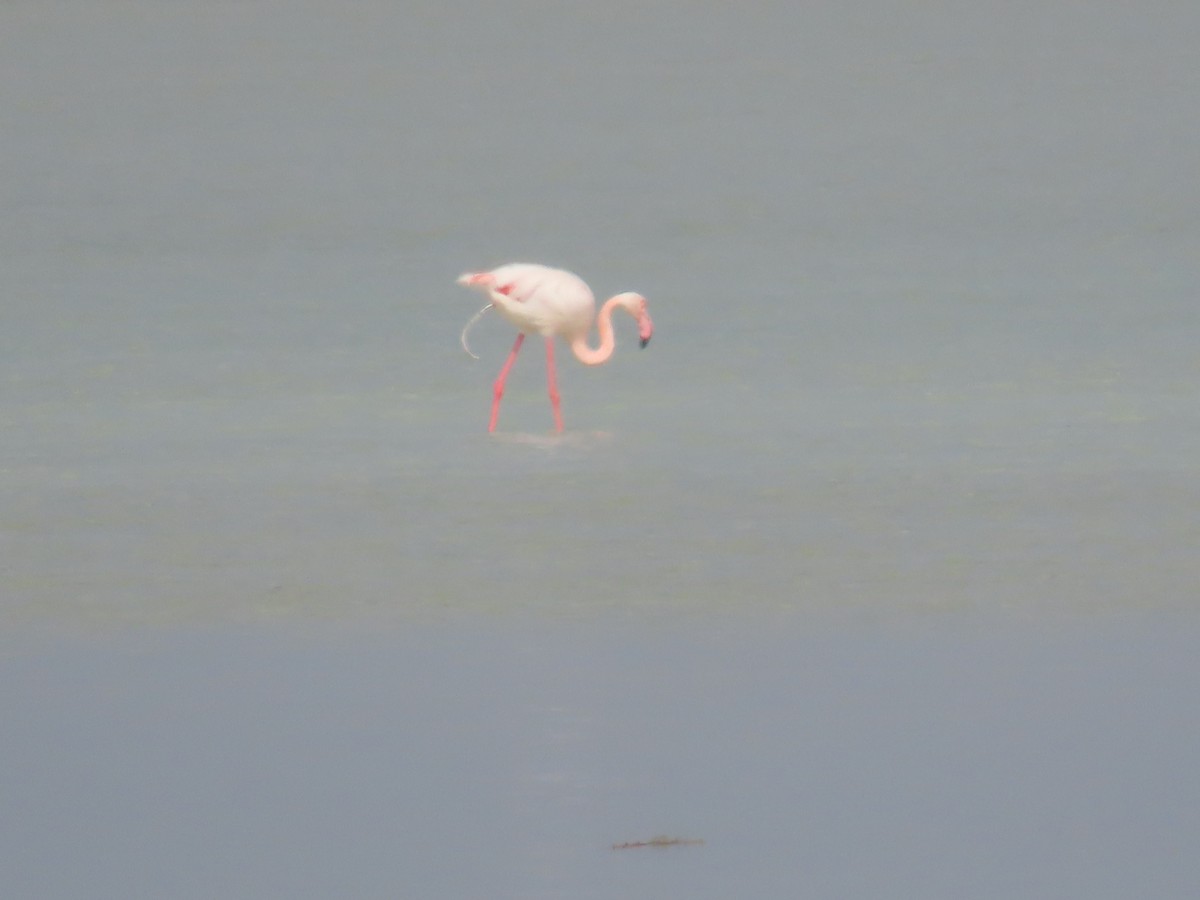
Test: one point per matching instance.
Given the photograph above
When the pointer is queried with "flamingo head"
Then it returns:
(635, 305)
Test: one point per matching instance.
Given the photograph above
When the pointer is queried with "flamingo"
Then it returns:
(551, 302)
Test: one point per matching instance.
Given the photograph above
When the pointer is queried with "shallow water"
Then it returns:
(506, 756)
(921, 406)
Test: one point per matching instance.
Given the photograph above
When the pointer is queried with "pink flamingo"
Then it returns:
(549, 302)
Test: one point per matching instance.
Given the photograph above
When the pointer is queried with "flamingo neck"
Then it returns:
(590, 356)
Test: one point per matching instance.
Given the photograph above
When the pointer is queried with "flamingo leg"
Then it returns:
(552, 381)
(498, 386)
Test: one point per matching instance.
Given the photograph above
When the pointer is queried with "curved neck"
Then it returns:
(595, 356)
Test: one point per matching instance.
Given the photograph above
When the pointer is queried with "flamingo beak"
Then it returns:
(645, 328)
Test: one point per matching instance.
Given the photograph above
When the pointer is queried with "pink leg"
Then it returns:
(552, 379)
(498, 386)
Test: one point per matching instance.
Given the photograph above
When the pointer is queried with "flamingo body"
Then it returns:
(543, 301)
(553, 302)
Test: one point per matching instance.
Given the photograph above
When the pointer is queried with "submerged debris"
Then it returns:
(660, 840)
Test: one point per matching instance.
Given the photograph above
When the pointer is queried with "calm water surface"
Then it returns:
(876, 570)
(944, 757)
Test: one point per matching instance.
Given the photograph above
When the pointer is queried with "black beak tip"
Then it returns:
(645, 341)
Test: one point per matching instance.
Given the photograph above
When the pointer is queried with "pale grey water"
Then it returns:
(476, 760)
(876, 569)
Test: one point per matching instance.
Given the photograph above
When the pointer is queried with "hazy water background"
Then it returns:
(876, 569)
